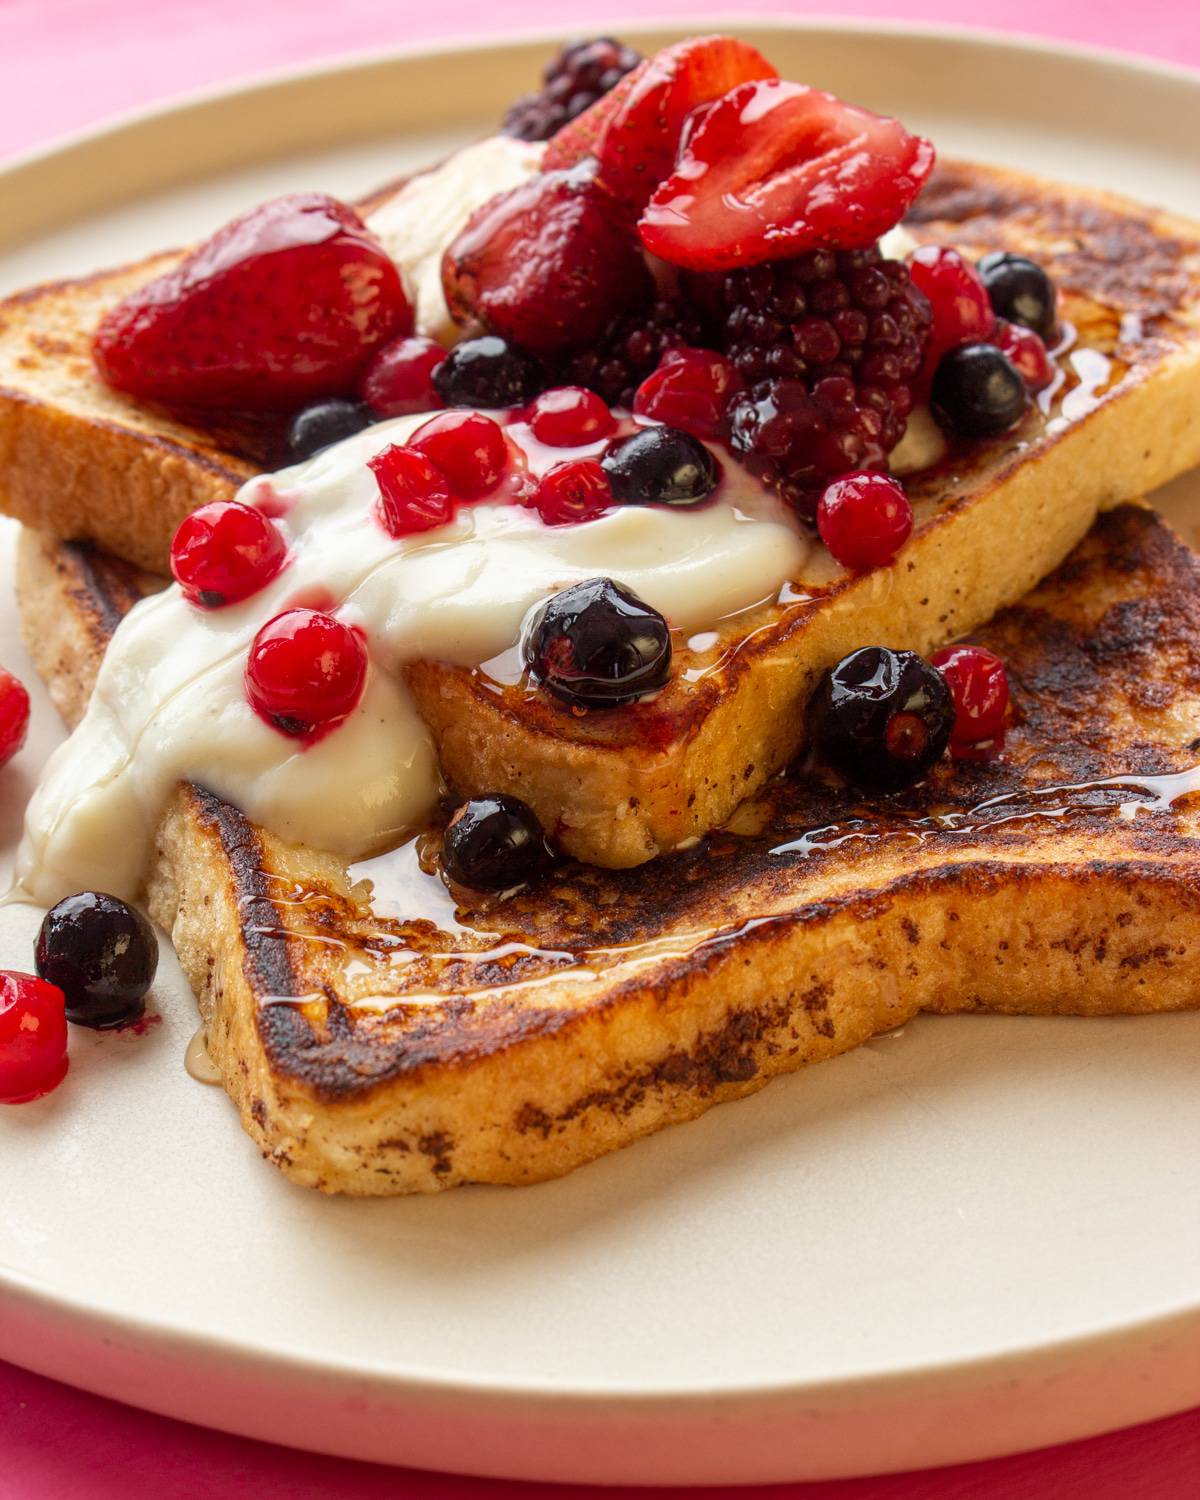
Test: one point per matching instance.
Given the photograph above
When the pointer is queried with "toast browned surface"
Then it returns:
(372, 1054)
(619, 787)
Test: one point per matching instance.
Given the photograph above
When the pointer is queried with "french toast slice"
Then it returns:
(415, 1046)
(618, 787)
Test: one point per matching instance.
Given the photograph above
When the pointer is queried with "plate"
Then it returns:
(974, 1236)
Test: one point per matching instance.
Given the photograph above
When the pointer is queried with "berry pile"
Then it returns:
(581, 73)
(632, 346)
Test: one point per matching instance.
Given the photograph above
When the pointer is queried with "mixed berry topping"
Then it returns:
(660, 466)
(1020, 291)
(979, 684)
(494, 843)
(414, 494)
(305, 672)
(469, 448)
(14, 715)
(399, 380)
(568, 416)
(691, 389)
(978, 392)
(571, 492)
(882, 718)
(33, 1037)
(958, 300)
(487, 371)
(324, 423)
(282, 306)
(102, 955)
(225, 552)
(632, 346)
(597, 645)
(864, 520)
(572, 82)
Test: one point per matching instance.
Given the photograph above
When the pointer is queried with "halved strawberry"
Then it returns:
(635, 131)
(776, 168)
(547, 264)
(282, 305)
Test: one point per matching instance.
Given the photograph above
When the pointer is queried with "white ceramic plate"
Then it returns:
(979, 1235)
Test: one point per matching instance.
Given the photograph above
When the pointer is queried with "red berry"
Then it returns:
(1026, 350)
(962, 311)
(692, 389)
(281, 306)
(635, 130)
(33, 1037)
(864, 519)
(577, 490)
(399, 380)
(979, 684)
(413, 492)
(469, 448)
(775, 168)
(305, 671)
(568, 417)
(224, 552)
(14, 715)
(546, 264)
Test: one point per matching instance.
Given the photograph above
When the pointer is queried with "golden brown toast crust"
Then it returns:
(619, 787)
(373, 1055)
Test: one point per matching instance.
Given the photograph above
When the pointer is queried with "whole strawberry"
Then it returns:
(282, 305)
(547, 264)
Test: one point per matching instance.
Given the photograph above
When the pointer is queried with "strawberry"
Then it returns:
(282, 305)
(635, 130)
(774, 169)
(546, 264)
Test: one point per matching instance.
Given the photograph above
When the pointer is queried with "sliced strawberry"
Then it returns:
(776, 168)
(640, 131)
(581, 137)
(547, 264)
(281, 306)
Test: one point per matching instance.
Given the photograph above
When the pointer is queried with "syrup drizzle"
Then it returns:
(197, 1061)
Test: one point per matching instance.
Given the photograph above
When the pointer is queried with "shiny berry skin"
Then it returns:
(977, 392)
(469, 448)
(962, 313)
(493, 843)
(399, 380)
(488, 372)
(33, 1037)
(1026, 350)
(882, 718)
(979, 683)
(570, 492)
(633, 345)
(224, 552)
(324, 423)
(14, 715)
(598, 645)
(660, 466)
(691, 389)
(569, 416)
(579, 75)
(282, 306)
(1020, 291)
(305, 672)
(102, 954)
(414, 494)
(864, 520)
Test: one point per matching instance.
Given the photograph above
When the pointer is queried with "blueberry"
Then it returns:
(324, 423)
(660, 466)
(488, 372)
(598, 645)
(978, 392)
(493, 843)
(102, 954)
(881, 718)
(1019, 290)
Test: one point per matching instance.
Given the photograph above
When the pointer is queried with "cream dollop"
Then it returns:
(170, 704)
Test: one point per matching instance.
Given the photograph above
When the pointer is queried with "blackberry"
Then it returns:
(829, 344)
(581, 73)
(631, 346)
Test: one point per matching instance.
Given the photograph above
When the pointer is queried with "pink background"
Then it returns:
(67, 63)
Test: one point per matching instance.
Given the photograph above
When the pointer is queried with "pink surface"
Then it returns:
(67, 63)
